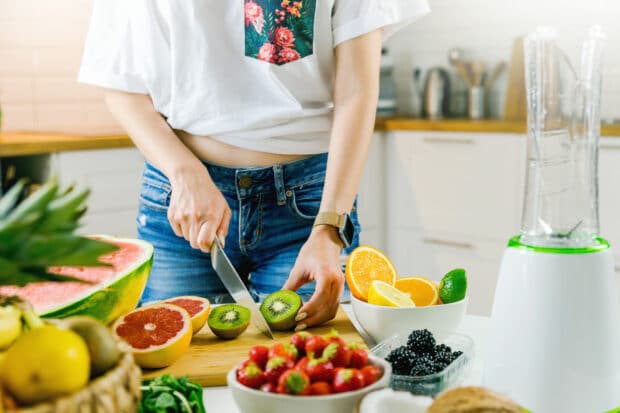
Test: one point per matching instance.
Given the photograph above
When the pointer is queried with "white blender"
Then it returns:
(555, 340)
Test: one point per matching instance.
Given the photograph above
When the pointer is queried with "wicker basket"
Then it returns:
(118, 391)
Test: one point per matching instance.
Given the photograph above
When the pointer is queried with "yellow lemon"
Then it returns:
(45, 363)
(382, 293)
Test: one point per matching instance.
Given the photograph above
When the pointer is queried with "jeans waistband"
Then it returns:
(252, 180)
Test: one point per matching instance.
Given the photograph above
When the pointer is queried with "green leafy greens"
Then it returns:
(167, 394)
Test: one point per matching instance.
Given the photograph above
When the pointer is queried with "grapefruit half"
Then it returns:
(197, 307)
(158, 334)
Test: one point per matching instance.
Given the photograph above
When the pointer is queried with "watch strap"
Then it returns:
(333, 219)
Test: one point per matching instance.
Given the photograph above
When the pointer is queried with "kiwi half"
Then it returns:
(280, 309)
(229, 320)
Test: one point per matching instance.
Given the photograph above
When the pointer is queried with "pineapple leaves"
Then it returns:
(38, 233)
(8, 201)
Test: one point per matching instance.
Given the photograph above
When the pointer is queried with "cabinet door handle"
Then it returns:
(450, 141)
(609, 146)
(445, 243)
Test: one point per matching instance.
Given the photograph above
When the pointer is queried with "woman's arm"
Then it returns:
(198, 211)
(356, 92)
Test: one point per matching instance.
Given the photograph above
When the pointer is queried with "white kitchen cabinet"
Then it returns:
(463, 183)
(609, 192)
(372, 195)
(113, 176)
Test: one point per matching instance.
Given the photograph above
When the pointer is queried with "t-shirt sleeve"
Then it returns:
(109, 58)
(353, 18)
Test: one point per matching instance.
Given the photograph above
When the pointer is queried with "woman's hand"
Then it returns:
(198, 211)
(318, 260)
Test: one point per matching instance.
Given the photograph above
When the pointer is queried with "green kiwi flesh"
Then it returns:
(280, 309)
(229, 320)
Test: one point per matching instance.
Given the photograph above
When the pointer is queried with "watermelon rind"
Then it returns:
(117, 296)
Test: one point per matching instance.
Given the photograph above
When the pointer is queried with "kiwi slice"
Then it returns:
(229, 320)
(280, 309)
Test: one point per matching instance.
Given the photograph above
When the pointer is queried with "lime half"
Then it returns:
(453, 286)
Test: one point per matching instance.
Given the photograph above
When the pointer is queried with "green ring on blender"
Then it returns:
(603, 244)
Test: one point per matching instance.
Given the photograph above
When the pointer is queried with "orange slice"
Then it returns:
(422, 291)
(365, 265)
(197, 307)
(158, 334)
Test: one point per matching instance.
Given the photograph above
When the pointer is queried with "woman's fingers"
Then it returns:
(224, 224)
(325, 301)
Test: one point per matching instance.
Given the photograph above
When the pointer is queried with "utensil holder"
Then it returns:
(476, 102)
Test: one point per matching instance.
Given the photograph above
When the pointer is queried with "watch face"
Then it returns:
(347, 231)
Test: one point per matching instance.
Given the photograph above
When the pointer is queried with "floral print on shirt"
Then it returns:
(279, 31)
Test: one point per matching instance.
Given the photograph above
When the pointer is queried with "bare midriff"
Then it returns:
(209, 150)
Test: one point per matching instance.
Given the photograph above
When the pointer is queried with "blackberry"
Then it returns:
(421, 341)
(423, 366)
(443, 358)
(442, 348)
(456, 355)
(401, 360)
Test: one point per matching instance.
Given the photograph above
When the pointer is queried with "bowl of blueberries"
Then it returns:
(423, 366)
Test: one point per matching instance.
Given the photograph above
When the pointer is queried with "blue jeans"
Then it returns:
(273, 209)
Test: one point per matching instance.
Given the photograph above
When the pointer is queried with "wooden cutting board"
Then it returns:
(209, 359)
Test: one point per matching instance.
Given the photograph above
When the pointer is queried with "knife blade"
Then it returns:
(236, 288)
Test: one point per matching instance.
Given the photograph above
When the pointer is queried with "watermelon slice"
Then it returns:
(113, 290)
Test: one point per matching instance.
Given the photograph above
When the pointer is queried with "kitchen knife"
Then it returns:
(235, 286)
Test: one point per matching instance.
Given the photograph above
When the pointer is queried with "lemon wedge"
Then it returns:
(382, 293)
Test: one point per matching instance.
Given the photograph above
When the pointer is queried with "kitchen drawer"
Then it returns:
(464, 184)
(75, 164)
(415, 253)
(609, 195)
(372, 193)
(121, 223)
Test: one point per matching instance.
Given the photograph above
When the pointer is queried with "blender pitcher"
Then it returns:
(555, 339)
(561, 198)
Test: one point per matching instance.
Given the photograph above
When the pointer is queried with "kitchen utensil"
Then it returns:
(556, 317)
(515, 105)
(432, 384)
(386, 105)
(209, 358)
(436, 93)
(235, 286)
(383, 322)
(492, 95)
(477, 69)
(495, 74)
(476, 102)
(254, 401)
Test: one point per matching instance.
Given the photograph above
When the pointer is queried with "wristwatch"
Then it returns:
(342, 222)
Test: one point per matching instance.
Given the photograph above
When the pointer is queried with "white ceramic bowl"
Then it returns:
(254, 401)
(383, 322)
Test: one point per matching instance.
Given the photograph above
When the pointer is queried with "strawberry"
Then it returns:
(347, 380)
(276, 366)
(269, 388)
(371, 374)
(359, 356)
(320, 370)
(302, 364)
(294, 382)
(284, 350)
(251, 376)
(315, 345)
(337, 353)
(259, 355)
(320, 388)
(299, 340)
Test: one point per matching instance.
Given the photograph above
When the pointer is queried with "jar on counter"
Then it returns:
(387, 88)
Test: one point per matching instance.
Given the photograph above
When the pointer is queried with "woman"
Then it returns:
(235, 105)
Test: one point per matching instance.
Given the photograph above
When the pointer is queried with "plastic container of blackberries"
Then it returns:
(431, 384)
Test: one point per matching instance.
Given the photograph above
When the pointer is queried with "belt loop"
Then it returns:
(278, 177)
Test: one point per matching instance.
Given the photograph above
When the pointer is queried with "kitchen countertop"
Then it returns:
(31, 143)
(219, 399)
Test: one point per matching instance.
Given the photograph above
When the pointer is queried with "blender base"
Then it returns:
(555, 339)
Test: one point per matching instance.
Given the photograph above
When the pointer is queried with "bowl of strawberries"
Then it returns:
(308, 374)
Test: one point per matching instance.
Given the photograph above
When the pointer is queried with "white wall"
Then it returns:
(486, 29)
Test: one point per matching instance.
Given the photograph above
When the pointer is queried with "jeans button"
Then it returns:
(245, 182)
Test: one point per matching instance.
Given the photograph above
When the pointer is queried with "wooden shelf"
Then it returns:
(30, 143)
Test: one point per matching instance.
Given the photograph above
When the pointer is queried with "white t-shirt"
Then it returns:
(256, 74)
